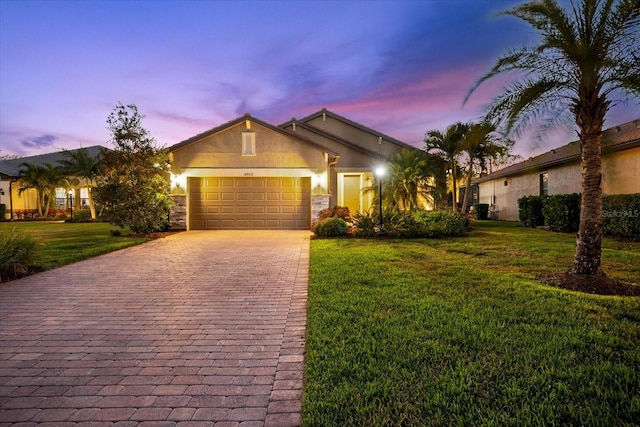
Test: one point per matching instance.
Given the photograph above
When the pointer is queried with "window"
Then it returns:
(544, 184)
(248, 143)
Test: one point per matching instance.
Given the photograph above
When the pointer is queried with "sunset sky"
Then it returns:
(401, 67)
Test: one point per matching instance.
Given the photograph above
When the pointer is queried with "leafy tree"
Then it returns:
(448, 145)
(44, 179)
(134, 186)
(79, 163)
(585, 56)
(482, 144)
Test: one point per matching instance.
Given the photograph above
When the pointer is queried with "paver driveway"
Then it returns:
(198, 328)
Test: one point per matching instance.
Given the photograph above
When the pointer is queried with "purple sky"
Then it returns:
(401, 67)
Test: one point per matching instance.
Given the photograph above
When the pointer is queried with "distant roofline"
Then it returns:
(612, 142)
(10, 167)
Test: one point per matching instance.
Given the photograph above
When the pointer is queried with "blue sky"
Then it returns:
(401, 67)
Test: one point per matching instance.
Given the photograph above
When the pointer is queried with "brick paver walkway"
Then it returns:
(196, 329)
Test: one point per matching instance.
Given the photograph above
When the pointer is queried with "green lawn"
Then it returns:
(63, 243)
(456, 332)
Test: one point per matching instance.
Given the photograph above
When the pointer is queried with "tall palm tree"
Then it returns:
(449, 146)
(482, 144)
(42, 178)
(79, 163)
(585, 57)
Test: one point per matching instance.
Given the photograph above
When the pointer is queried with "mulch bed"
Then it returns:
(599, 285)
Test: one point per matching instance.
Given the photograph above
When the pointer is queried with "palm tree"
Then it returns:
(449, 146)
(410, 180)
(585, 56)
(42, 178)
(482, 144)
(79, 163)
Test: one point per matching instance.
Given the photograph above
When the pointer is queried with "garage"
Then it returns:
(249, 203)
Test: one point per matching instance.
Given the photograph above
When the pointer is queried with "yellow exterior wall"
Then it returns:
(621, 172)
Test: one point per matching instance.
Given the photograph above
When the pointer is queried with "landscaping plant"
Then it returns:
(18, 253)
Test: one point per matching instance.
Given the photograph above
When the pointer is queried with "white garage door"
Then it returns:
(249, 203)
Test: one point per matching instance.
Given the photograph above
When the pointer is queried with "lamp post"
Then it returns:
(71, 202)
(380, 173)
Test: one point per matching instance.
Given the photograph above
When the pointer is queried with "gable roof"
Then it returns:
(334, 138)
(614, 139)
(350, 123)
(239, 120)
(10, 168)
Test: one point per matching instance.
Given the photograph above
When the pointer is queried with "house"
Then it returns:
(16, 202)
(250, 174)
(559, 172)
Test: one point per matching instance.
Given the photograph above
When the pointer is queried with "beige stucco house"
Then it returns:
(76, 195)
(250, 174)
(558, 172)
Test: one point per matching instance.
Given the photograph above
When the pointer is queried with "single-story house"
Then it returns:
(16, 202)
(559, 172)
(250, 174)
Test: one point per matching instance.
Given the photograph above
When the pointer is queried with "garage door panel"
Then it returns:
(249, 203)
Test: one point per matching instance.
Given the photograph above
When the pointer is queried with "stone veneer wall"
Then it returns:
(319, 202)
(178, 212)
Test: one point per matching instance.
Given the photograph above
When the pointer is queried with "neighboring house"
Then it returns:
(26, 201)
(558, 172)
(249, 174)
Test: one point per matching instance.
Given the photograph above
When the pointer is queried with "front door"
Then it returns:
(352, 193)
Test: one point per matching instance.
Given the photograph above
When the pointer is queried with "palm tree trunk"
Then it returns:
(92, 203)
(455, 188)
(587, 259)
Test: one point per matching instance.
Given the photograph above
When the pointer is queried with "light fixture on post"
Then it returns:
(71, 202)
(380, 171)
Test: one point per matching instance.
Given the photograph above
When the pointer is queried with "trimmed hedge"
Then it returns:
(3, 211)
(621, 215)
(331, 227)
(82, 215)
(530, 211)
(562, 212)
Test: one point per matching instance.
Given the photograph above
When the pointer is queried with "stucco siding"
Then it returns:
(354, 135)
(622, 172)
(224, 150)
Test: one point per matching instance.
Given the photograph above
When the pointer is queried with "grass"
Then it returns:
(63, 243)
(456, 332)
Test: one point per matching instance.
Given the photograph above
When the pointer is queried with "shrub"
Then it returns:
(3, 211)
(530, 211)
(562, 212)
(481, 210)
(621, 215)
(441, 224)
(336, 211)
(364, 225)
(18, 252)
(331, 227)
(400, 224)
(82, 215)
